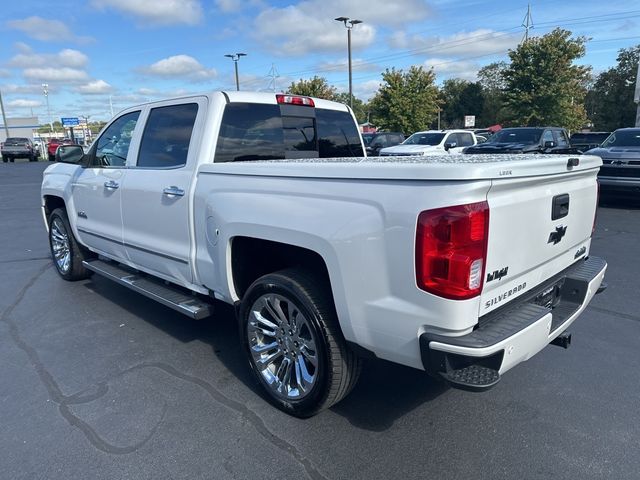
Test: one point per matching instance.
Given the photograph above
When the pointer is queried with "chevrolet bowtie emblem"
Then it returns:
(556, 236)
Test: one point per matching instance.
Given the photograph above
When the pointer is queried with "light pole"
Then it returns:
(45, 90)
(348, 23)
(235, 57)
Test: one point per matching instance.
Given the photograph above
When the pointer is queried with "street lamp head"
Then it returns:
(342, 19)
(229, 55)
(355, 22)
(241, 55)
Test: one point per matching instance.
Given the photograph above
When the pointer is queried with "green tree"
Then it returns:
(314, 87)
(460, 98)
(491, 78)
(406, 102)
(543, 85)
(609, 103)
(360, 109)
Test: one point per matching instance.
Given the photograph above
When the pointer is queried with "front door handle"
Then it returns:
(173, 191)
(111, 185)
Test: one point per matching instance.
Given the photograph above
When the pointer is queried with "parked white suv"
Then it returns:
(432, 142)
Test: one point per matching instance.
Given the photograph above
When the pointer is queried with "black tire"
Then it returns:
(5, 159)
(73, 270)
(33, 158)
(11, 159)
(52, 158)
(338, 367)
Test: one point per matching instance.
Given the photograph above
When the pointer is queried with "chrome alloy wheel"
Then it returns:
(60, 245)
(283, 347)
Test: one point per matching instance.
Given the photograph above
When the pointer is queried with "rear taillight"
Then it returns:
(451, 250)
(295, 100)
(595, 213)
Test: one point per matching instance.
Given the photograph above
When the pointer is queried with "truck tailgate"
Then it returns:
(538, 226)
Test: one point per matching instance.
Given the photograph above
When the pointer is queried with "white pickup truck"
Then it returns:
(462, 266)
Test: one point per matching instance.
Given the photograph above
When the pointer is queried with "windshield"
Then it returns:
(527, 136)
(367, 137)
(16, 140)
(424, 139)
(623, 138)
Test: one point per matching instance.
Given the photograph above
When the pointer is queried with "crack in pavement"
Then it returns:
(28, 259)
(52, 387)
(102, 388)
(626, 316)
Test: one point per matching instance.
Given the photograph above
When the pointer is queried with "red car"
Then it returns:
(53, 145)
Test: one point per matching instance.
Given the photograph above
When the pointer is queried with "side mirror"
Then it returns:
(69, 154)
(549, 144)
(449, 145)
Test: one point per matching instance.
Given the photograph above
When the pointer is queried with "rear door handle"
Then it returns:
(173, 191)
(111, 185)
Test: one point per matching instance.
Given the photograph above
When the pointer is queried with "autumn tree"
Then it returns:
(491, 79)
(406, 101)
(543, 84)
(460, 98)
(609, 103)
(314, 87)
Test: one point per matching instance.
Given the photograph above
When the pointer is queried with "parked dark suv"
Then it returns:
(374, 142)
(526, 140)
(620, 153)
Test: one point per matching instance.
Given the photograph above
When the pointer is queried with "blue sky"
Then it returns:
(132, 51)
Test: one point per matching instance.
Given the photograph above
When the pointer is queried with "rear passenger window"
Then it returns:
(465, 140)
(166, 137)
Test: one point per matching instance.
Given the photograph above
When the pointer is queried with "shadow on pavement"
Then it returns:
(384, 393)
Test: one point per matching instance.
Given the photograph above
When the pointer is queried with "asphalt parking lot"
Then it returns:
(99, 382)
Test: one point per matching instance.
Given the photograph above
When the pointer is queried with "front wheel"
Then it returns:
(294, 343)
(67, 254)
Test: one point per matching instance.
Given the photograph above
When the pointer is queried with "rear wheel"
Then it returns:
(5, 159)
(66, 252)
(294, 344)
(33, 158)
(52, 158)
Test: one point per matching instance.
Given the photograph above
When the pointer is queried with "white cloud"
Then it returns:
(448, 68)
(300, 28)
(30, 88)
(478, 42)
(95, 87)
(24, 103)
(366, 90)
(228, 6)
(179, 66)
(56, 74)
(45, 30)
(297, 30)
(64, 58)
(4, 73)
(157, 12)
(357, 64)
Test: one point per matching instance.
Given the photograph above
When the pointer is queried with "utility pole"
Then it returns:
(349, 24)
(111, 105)
(273, 74)
(235, 57)
(4, 118)
(636, 97)
(45, 90)
(527, 23)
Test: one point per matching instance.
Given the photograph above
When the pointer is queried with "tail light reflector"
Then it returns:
(451, 250)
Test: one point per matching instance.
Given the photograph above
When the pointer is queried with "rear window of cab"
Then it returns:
(251, 131)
